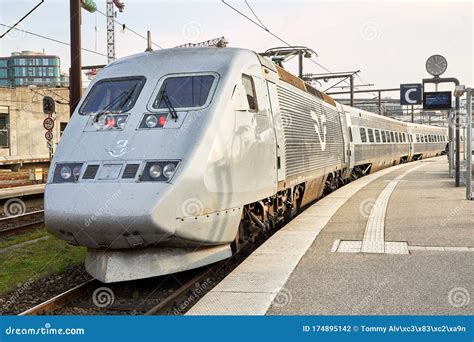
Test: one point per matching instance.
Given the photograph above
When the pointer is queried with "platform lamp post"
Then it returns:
(458, 92)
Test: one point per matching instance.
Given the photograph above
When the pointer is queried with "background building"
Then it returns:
(31, 68)
(21, 123)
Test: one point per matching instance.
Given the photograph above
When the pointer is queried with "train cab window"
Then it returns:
(371, 135)
(250, 92)
(377, 135)
(363, 134)
(392, 137)
(117, 95)
(184, 92)
(396, 137)
(384, 139)
(350, 133)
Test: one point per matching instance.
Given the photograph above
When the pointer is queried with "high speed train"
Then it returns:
(173, 158)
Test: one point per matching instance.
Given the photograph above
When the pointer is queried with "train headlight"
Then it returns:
(155, 171)
(121, 121)
(168, 170)
(111, 122)
(67, 172)
(76, 171)
(153, 121)
(159, 171)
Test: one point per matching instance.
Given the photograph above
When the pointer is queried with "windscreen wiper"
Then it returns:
(168, 104)
(114, 101)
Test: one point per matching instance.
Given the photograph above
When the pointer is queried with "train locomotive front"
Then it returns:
(152, 171)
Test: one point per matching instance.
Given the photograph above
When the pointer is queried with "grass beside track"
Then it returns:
(36, 260)
(16, 239)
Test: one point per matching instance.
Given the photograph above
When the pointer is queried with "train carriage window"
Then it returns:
(117, 95)
(396, 137)
(250, 92)
(430, 138)
(417, 138)
(404, 136)
(184, 91)
(392, 137)
(384, 139)
(371, 135)
(388, 136)
(363, 134)
(377, 135)
(350, 133)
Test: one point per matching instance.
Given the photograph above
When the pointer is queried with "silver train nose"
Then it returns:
(108, 215)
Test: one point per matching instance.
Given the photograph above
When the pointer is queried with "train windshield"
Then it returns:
(116, 95)
(184, 92)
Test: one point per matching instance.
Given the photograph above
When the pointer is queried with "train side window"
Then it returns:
(384, 139)
(404, 137)
(401, 136)
(417, 138)
(388, 136)
(250, 92)
(392, 137)
(350, 133)
(396, 137)
(363, 134)
(371, 135)
(377, 135)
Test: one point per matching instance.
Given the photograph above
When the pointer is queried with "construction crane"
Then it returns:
(111, 27)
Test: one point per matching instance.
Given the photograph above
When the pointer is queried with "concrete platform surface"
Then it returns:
(399, 241)
(19, 191)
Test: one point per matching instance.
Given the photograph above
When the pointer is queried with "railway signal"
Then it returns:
(49, 105)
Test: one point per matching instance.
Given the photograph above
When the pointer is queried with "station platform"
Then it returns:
(396, 242)
(19, 191)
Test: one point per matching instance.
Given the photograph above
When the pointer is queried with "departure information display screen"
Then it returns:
(439, 100)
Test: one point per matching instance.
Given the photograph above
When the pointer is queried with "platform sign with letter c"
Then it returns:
(410, 94)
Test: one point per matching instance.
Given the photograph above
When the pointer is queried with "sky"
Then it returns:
(388, 41)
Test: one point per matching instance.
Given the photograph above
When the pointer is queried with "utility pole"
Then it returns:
(75, 75)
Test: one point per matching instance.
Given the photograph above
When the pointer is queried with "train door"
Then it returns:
(278, 129)
(350, 150)
(346, 139)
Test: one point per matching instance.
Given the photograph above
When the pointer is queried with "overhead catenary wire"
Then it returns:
(125, 27)
(22, 18)
(52, 39)
(263, 27)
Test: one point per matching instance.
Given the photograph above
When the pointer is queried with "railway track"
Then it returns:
(13, 225)
(160, 295)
